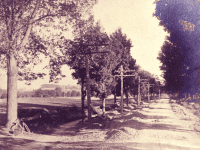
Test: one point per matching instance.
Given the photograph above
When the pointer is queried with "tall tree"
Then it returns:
(104, 82)
(89, 38)
(172, 66)
(121, 46)
(22, 23)
(181, 20)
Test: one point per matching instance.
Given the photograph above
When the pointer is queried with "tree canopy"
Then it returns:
(181, 20)
(26, 27)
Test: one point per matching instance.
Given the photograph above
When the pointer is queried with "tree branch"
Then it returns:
(22, 6)
(29, 26)
(31, 23)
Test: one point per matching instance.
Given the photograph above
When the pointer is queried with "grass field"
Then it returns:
(58, 101)
(50, 112)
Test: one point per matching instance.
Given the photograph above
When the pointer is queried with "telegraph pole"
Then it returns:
(159, 92)
(88, 89)
(122, 96)
(148, 92)
(144, 81)
(87, 63)
(121, 75)
(88, 85)
(149, 85)
(139, 96)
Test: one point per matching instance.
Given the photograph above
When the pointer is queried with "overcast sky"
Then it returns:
(135, 19)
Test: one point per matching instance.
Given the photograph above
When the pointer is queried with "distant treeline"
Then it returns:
(43, 93)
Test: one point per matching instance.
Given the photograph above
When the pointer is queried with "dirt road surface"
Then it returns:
(164, 127)
(159, 125)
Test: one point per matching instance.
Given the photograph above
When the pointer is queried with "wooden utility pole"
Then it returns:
(159, 92)
(88, 89)
(121, 75)
(115, 99)
(139, 96)
(122, 96)
(153, 93)
(149, 85)
(87, 54)
(142, 81)
(88, 85)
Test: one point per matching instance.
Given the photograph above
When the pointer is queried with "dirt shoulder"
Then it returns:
(155, 125)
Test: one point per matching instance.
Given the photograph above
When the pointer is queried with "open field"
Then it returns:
(49, 113)
(58, 101)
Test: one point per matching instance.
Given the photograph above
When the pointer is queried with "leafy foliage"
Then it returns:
(89, 38)
(181, 20)
(26, 30)
(172, 65)
(25, 33)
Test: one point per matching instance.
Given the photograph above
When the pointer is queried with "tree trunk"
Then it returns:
(104, 105)
(115, 99)
(11, 90)
(83, 94)
(127, 98)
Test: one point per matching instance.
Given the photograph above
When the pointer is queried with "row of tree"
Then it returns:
(36, 29)
(106, 53)
(179, 54)
(43, 93)
(55, 93)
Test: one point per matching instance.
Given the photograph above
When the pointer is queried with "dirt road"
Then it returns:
(166, 126)
(159, 125)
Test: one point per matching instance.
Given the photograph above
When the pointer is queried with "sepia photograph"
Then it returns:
(99, 74)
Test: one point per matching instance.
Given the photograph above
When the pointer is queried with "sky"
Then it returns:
(135, 19)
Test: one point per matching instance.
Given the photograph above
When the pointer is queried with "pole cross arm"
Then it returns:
(144, 82)
(126, 71)
(93, 44)
(93, 53)
(126, 75)
(86, 45)
(143, 79)
(150, 85)
(129, 71)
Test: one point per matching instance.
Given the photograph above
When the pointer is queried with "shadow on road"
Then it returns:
(19, 144)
